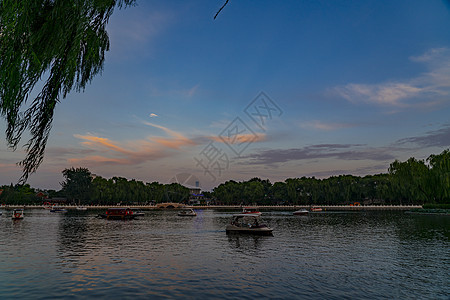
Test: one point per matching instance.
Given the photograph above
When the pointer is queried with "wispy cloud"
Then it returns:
(384, 94)
(176, 139)
(351, 152)
(113, 152)
(374, 169)
(9, 167)
(141, 30)
(338, 151)
(242, 138)
(175, 90)
(62, 151)
(191, 92)
(435, 138)
(327, 126)
(427, 89)
(105, 151)
(97, 160)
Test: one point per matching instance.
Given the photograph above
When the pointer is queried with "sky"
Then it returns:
(269, 89)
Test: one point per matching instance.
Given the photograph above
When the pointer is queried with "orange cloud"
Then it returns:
(98, 160)
(142, 150)
(176, 141)
(93, 140)
(9, 167)
(241, 138)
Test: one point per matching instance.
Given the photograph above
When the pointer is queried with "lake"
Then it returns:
(328, 255)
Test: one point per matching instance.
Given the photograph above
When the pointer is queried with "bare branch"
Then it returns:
(226, 2)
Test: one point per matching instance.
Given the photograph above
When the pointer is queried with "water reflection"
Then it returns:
(72, 239)
(327, 255)
(245, 242)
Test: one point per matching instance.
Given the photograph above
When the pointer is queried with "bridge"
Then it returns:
(170, 205)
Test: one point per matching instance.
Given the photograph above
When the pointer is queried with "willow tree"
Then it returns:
(440, 176)
(77, 183)
(47, 49)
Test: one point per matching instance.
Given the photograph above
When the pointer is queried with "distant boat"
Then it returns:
(118, 213)
(17, 214)
(138, 213)
(315, 209)
(249, 224)
(81, 208)
(251, 211)
(58, 209)
(189, 212)
(301, 212)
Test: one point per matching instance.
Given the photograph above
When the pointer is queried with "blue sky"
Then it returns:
(348, 87)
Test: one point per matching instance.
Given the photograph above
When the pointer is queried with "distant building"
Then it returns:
(195, 195)
(42, 195)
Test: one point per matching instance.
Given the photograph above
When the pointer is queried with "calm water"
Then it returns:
(363, 255)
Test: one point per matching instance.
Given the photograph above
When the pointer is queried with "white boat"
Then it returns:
(137, 212)
(81, 208)
(251, 211)
(248, 223)
(188, 212)
(301, 212)
(17, 214)
(58, 209)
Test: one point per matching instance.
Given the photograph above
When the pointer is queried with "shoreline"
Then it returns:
(238, 207)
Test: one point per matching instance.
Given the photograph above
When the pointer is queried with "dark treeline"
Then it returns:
(410, 182)
(123, 191)
(19, 194)
(80, 187)
(83, 188)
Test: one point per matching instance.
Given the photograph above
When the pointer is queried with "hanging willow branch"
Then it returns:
(62, 40)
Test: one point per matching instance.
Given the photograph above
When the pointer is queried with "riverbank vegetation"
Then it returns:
(410, 182)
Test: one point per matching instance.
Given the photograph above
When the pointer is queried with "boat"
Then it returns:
(315, 209)
(118, 213)
(58, 209)
(81, 208)
(17, 214)
(249, 224)
(251, 211)
(188, 212)
(137, 212)
(301, 212)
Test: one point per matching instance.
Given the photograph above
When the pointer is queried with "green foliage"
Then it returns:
(409, 182)
(77, 184)
(440, 176)
(18, 195)
(437, 206)
(415, 182)
(64, 41)
(175, 192)
(119, 190)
